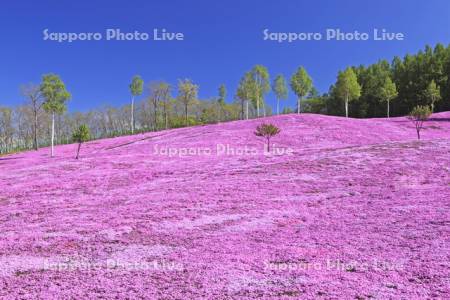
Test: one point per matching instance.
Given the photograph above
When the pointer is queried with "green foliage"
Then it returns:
(347, 87)
(221, 100)
(259, 85)
(316, 105)
(245, 88)
(287, 110)
(432, 94)
(413, 76)
(267, 131)
(388, 90)
(81, 134)
(313, 93)
(280, 89)
(136, 85)
(222, 94)
(420, 113)
(260, 76)
(418, 116)
(179, 122)
(55, 94)
(301, 85)
(187, 93)
(246, 92)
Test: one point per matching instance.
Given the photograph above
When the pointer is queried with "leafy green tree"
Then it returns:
(418, 116)
(260, 77)
(301, 84)
(432, 94)
(371, 79)
(267, 131)
(81, 135)
(388, 92)
(136, 88)
(313, 93)
(222, 96)
(287, 110)
(315, 105)
(187, 93)
(280, 89)
(245, 93)
(347, 87)
(55, 96)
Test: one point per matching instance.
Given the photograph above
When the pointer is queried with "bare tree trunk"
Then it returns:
(299, 105)
(218, 119)
(165, 116)
(53, 135)
(346, 107)
(36, 146)
(132, 115)
(388, 109)
(78, 150)
(155, 126)
(257, 107)
(278, 106)
(186, 114)
(246, 114)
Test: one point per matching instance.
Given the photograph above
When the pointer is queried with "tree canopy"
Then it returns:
(260, 78)
(347, 87)
(55, 94)
(301, 84)
(136, 85)
(280, 89)
(432, 94)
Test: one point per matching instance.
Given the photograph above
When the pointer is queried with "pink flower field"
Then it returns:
(339, 209)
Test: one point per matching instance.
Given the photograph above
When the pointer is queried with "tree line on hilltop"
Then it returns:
(382, 89)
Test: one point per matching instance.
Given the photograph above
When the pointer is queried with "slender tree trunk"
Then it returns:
(132, 115)
(155, 125)
(78, 150)
(246, 114)
(264, 108)
(268, 145)
(299, 105)
(388, 109)
(242, 110)
(346, 107)
(432, 107)
(186, 115)
(36, 146)
(278, 106)
(165, 116)
(418, 134)
(218, 114)
(257, 107)
(53, 135)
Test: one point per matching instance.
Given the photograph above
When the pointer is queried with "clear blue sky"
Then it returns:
(223, 39)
